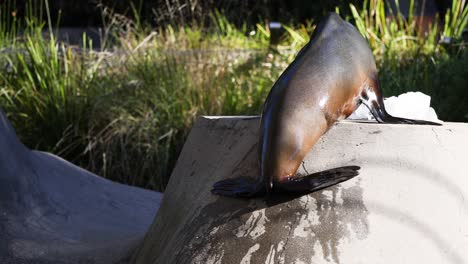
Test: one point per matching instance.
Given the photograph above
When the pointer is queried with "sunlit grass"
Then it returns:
(411, 60)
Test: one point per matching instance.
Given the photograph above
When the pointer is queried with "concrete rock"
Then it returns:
(52, 211)
(408, 204)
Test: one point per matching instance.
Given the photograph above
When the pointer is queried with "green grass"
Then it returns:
(411, 60)
(125, 114)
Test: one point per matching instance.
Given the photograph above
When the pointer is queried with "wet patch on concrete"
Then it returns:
(237, 230)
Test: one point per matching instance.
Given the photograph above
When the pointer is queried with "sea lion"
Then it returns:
(329, 78)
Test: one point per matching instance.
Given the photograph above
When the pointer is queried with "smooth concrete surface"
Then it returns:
(408, 205)
(54, 212)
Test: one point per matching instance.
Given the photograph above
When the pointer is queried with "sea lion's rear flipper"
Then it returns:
(316, 181)
(239, 187)
(375, 104)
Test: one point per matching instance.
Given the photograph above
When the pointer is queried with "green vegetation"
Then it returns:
(124, 112)
(411, 60)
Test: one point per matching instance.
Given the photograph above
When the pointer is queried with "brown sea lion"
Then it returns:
(329, 78)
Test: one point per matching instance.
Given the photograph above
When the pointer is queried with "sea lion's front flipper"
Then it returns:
(239, 187)
(316, 181)
(374, 102)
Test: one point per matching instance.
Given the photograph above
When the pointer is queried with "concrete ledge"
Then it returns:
(53, 212)
(407, 206)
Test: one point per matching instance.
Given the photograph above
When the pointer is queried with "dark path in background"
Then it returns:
(77, 13)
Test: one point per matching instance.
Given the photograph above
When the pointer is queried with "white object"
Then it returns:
(275, 25)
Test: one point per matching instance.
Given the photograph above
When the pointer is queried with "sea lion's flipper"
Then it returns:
(316, 181)
(376, 106)
(248, 187)
(239, 187)
(398, 120)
